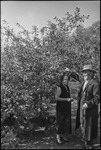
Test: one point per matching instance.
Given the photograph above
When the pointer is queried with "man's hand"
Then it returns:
(85, 106)
(70, 99)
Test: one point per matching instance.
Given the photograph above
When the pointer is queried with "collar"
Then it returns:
(89, 82)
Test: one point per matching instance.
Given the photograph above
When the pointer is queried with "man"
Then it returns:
(87, 112)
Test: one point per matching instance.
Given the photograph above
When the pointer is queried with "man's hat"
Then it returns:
(88, 67)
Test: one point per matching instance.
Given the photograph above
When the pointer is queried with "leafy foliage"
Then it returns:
(9, 139)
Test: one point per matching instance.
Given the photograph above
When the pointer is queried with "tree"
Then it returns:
(31, 64)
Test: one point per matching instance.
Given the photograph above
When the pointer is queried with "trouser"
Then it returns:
(63, 123)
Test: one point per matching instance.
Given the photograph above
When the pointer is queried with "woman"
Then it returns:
(63, 109)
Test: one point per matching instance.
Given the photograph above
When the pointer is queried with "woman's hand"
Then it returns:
(70, 99)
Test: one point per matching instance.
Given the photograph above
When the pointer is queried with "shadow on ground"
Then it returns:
(38, 140)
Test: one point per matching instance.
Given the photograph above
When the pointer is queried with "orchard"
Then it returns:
(32, 62)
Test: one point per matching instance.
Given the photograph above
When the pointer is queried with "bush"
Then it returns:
(9, 139)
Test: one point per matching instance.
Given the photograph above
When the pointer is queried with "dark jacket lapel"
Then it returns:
(89, 82)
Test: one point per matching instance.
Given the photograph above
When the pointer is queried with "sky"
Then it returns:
(38, 13)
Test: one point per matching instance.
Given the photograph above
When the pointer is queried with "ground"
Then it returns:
(38, 139)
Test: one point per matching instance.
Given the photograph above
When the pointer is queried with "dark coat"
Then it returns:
(92, 99)
(63, 111)
(64, 107)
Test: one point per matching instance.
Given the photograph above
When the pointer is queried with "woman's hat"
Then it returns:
(67, 70)
(88, 67)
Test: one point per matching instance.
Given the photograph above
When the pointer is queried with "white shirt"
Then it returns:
(85, 84)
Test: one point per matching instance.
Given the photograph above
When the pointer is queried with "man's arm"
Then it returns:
(96, 96)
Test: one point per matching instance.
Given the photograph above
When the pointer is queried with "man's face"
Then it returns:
(87, 74)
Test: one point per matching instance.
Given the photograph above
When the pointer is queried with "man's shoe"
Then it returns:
(89, 145)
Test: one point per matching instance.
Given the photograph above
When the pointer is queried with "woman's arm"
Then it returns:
(58, 98)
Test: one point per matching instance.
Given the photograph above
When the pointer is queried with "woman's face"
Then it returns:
(65, 80)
